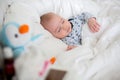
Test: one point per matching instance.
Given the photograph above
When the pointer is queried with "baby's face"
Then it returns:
(59, 27)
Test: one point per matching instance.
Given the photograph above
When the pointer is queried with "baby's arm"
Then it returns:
(91, 20)
(85, 16)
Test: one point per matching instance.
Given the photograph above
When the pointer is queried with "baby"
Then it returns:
(69, 31)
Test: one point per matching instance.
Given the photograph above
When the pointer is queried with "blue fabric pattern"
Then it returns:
(75, 37)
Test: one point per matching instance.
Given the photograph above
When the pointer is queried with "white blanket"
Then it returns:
(97, 59)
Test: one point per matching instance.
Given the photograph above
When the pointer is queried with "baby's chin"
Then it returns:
(62, 36)
(69, 31)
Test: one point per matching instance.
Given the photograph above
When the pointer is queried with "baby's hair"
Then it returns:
(45, 18)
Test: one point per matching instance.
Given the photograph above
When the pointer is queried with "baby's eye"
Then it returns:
(63, 21)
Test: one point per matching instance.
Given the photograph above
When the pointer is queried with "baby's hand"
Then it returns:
(93, 25)
(70, 47)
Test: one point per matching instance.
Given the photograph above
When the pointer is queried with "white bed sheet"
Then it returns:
(97, 59)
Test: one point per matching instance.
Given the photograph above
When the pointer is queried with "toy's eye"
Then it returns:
(16, 35)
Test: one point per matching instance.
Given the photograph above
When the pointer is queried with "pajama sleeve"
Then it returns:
(84, 17)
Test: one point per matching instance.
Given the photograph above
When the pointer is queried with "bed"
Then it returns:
(96, 59)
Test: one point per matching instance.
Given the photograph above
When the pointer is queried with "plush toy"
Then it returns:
(16, 36)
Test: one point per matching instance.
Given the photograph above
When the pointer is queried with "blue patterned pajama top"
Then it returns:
(75, 36)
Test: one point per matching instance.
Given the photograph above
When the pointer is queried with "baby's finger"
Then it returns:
(92, 28)
(97, 28)
(97, 24)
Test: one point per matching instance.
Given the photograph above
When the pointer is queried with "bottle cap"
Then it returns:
(7, 52)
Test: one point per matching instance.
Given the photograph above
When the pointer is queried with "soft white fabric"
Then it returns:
(97, 59)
